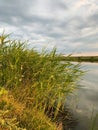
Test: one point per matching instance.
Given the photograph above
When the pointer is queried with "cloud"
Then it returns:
(69, 25)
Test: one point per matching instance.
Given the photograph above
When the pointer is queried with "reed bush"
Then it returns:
(40, 81)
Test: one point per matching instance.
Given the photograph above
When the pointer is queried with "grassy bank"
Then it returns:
(32, 84)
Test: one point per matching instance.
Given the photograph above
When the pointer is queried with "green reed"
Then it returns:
(39, 81)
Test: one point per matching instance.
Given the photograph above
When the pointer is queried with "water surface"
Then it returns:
(85, 101)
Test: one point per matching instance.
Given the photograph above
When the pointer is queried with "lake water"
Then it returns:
(85, 100)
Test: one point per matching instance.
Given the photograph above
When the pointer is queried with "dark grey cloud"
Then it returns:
(94, 19)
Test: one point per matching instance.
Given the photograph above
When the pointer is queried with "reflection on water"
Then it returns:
(86, 100)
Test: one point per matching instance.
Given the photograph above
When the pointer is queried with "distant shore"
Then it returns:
(80, 58)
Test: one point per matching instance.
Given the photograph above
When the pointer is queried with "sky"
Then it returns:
(69, 25)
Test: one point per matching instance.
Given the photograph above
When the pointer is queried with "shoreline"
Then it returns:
(80, 58)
